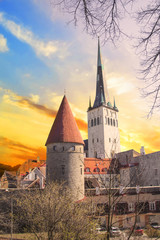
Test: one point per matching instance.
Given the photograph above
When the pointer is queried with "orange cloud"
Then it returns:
(16, 152)
(27, 102)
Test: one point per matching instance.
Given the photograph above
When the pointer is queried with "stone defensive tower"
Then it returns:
(103, 132)
(65, 152)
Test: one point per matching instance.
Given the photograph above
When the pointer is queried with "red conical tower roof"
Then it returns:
(64, 128)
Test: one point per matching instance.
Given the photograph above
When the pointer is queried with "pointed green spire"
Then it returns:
(90, 102)
(100, 83)
(115, 107)
(99, 63)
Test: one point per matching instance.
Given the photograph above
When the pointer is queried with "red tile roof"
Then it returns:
(64, 128)
(93, 163)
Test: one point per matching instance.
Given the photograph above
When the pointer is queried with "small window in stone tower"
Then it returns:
(54, 148)
(94, 121)
(97, 120)
(63, 169)
(73, 148)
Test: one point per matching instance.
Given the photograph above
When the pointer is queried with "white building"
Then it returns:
(103, 132)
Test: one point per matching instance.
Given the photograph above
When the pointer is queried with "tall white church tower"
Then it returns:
(103, 132)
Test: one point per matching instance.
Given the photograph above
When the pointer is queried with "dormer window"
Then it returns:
(104, 169)
(97, 170)
(87, 169)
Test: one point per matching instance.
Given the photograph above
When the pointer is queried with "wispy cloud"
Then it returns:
(26, 102)
(3, 44)
(17, 152)
(42, 48)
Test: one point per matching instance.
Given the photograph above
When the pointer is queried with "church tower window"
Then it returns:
(92, 123)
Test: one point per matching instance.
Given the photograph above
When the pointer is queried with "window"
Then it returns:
(73, 148)
(63, 169)
(54, 148)
(131, 207)
(104, 169)
(138, 219)
(81, 170)
(109, 139)
(92, 140)
(108, 121)
(63, 149)
(115, 140)
(111, 121)
(152, 206)
(87, 169)
(97, 120)
(92, 123)
(97, 170)
(97, 140)
(156, 171)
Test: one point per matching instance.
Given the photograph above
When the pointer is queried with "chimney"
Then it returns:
(142, 150)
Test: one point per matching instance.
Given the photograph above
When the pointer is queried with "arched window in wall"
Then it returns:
(87, 169)
(94, 121)
(97, 170)
(108, 121)
(113, 122)
(104, 169)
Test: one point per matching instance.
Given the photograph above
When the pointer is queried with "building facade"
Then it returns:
(103, 132)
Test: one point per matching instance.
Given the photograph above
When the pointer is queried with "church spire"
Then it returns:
(100, 88)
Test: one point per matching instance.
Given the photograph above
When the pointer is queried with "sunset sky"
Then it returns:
(41, 56)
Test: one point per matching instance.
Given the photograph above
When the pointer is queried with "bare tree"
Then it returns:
(53, 212)
(149, 50)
